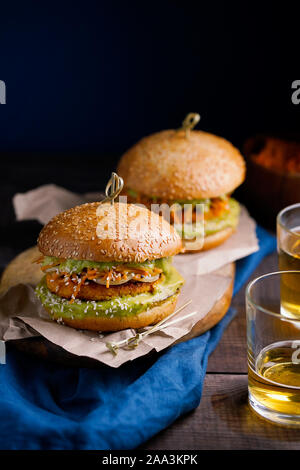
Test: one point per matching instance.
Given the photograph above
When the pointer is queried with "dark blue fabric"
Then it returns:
(45, 406)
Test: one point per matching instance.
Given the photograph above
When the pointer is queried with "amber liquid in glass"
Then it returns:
(275, 382)
(289, 260)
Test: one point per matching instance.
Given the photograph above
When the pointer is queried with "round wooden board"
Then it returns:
(23, 270)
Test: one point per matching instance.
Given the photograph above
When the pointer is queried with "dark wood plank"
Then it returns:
(230, 354)
(224, 421)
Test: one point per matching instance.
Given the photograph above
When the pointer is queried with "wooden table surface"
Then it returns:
(224, 419)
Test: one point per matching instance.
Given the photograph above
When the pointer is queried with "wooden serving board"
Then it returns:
(22, 269)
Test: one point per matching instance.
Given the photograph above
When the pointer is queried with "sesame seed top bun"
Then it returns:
(171, 165)
(105, 232)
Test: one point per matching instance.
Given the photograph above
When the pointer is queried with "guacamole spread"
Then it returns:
(77, 266)
(213, 225)
(115, 307)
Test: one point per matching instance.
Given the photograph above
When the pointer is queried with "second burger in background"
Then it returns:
(186, 166)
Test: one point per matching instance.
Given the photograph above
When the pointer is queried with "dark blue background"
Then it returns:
(95, 76)
(85, 80)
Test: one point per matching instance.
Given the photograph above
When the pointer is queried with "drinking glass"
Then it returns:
(288, 246)
(273, 348)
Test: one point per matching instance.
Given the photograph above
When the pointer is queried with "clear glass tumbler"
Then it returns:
(273, 349)
(288, 245)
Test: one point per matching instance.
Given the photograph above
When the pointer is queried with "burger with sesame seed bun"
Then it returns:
(108, 267)
(187, 166)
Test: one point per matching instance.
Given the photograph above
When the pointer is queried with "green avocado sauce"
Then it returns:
(116, 307)
(228, 219)
(211, 226)
(77, 266)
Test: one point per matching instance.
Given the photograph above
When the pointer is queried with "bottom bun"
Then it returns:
(211, 241)
(148, 317)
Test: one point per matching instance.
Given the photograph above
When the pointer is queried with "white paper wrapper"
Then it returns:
(207, 278)
(45, 202)
(20, 303)
(242, 243)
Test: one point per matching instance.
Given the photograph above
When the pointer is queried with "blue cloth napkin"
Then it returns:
(45, 406)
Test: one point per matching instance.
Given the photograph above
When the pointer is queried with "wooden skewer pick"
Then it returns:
(113, 188)
(190, 121)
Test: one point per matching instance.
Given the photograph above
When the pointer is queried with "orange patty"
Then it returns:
(93, 291)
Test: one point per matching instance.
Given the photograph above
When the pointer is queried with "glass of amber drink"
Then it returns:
(288, 245)
(273, 349)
